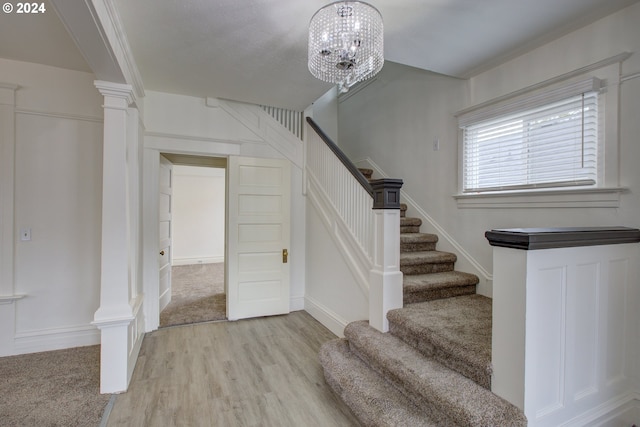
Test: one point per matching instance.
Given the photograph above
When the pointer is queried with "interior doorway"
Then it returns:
(196, 291)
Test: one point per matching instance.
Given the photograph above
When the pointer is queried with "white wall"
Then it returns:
(395, 120)
(332, 294)
(198, 215)
(324, 111)
(393, 123)
(57, 195)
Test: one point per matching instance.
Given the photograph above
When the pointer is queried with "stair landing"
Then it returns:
(455, 331)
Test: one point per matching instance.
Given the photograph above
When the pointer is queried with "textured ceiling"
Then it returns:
(256, 50)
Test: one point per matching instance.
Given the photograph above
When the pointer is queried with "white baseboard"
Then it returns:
(56, 339)
(296, 303)
(191, 261)
(620, 411)
(328, 318)
(626, 414)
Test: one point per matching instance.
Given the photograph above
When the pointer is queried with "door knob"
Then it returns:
(285, 256)
(162, 253)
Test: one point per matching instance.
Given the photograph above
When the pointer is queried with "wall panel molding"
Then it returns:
(58, 115)
(56, 339)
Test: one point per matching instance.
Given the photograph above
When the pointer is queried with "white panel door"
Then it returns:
(258, 237)
(164, 242)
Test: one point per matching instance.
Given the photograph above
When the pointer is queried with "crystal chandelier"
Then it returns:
(346, 43)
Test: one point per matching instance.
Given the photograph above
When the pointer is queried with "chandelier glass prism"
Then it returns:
(346, 43)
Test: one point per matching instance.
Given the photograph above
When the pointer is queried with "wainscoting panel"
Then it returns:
(618, 284)
(547, 338)
(581, 308)
(583, 341)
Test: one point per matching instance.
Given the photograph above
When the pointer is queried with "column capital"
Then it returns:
(115, 90)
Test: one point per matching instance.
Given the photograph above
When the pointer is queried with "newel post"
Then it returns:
(385, 278)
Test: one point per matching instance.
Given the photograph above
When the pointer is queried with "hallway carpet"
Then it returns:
(197, 295)
(52, 388)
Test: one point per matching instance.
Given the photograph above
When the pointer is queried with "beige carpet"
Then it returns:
(53, 388)
(197, 295)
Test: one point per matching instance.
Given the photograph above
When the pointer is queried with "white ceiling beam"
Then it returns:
(96, 29)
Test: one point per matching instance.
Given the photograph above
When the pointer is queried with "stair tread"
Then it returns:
(455, 330)
(408, 221)
(426, 257)
(423, 378)
(373, 400)
(366, 172)
(443, 279)
(418, 237)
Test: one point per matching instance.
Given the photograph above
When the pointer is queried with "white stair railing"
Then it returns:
(290, 119)
(368, 224)
(349, 198)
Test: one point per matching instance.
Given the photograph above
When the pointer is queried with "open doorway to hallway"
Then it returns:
(197, 231)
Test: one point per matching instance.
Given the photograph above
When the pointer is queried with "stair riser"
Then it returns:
(369, 401)
(410, 221)
(426, 268)
(433, 294)
(447, 359)
(456, 400)
(417, 247)
(409, 229)
(400, 384)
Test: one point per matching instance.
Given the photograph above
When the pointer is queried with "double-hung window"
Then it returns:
(550, 140)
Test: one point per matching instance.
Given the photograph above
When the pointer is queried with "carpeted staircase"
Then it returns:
(433, 367)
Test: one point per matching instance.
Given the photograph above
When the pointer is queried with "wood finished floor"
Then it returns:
(255, 372)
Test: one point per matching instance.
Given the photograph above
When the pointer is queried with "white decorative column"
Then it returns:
(116, 312)
(385, 278)
(565, 316)
(7, 233)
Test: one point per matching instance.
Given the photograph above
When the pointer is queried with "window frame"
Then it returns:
(606, 192)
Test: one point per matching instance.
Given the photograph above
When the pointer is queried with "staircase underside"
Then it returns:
(433, 367)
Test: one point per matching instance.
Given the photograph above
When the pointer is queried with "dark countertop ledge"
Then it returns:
(561, 237)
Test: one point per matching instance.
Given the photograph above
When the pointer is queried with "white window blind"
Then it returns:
(549, 142)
